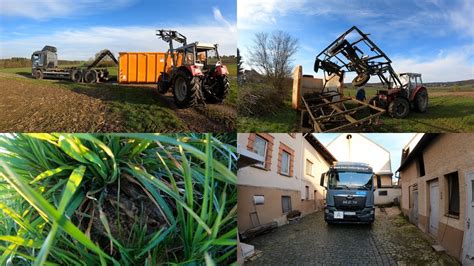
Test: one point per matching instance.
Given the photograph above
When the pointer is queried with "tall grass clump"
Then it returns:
(117, 199)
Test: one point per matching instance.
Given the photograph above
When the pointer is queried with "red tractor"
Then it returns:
(353, 51)
(398, 100)
(196, 74)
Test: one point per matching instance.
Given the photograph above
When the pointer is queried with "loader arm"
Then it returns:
(101, 56)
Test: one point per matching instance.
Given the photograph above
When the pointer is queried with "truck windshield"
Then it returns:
(350, 180)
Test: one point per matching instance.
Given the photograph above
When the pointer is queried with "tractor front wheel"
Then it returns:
(186, 89)
(421, 101)
(163, 84)
(361, 79)
(222, 88)
(377, 102)
(38, 74)
(399, 108)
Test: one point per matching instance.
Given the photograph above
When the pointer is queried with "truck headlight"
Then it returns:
(372, 211)
(326, 210)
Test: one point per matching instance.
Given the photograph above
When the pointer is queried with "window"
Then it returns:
(285, 163)
(260, 148)
(286, 204)
(307, 192)
(309, 168)
(453, 193)
(383, 193)
(421, 166)
(472, 191)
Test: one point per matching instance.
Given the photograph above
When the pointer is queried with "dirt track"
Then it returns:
(28, 106)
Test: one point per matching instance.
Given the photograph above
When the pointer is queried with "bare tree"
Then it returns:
(271, 54)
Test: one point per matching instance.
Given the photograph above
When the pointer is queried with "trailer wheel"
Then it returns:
(421, 101)
(361, 79)
(38, 74)
(90, 76)
(399, 108)
(186, 89)
(76, 75)
(222, 89)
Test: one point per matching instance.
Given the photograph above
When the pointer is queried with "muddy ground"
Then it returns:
(28, 105)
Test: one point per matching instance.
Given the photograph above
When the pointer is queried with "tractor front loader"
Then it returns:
(353, 51)
(196, 74)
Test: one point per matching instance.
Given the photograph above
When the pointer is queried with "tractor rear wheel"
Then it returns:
(399, 108)
(76, 75)
(222, 89)
(163, 84)
(90, 76)
(421, 101)
(186, 89)
(361, 79)
(38, 74)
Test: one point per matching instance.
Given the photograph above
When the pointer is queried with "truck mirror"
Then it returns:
(379, 182)
(321, 181)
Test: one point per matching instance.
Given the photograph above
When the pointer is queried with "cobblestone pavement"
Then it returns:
(391, 240)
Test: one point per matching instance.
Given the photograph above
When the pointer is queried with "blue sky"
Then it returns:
(432, 37)
(393, 142)
(80, 28)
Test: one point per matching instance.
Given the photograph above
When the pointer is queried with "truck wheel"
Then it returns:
(221, 91)
(76, 75)
(90, 76)
(38, 74)
(186, 89)
(399, 108)
(163, 84)
(421, 101)
(361, 79)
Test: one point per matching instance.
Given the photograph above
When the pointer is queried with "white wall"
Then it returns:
(392, 193)
(319, 166)
(361, 149)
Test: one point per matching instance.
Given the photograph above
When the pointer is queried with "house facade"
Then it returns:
(357, 148)
(287, 179)
(437, 180)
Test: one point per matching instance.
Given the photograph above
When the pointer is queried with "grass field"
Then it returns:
(136, 108)
(118, 199)
(450, 110)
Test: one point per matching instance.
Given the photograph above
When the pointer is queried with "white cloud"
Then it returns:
(462, 17)
(84, 43)
(219, 18)
(50, 9)
(252, 14)
(451, 65)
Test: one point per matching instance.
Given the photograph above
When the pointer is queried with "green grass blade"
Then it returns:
(21, 241)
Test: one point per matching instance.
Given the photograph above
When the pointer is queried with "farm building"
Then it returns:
(286, 179)
(358, 148)
(437, 180)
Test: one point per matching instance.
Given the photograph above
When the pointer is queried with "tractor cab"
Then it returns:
(409, 81)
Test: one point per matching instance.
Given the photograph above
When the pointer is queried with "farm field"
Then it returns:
(450, 110)
(31, 105)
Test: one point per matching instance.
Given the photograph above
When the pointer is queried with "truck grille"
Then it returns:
(345, 202)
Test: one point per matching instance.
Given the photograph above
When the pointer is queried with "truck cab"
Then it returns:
(46, 58)
(350, 193)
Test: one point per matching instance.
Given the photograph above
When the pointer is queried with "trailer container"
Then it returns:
(141, 67)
